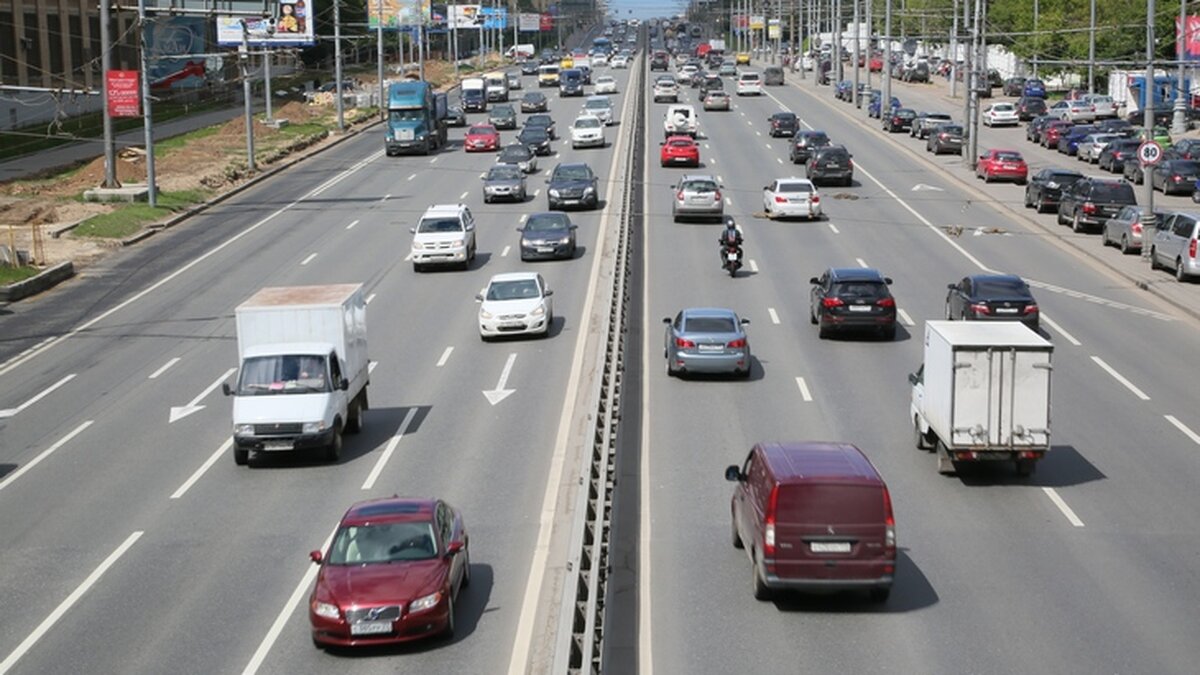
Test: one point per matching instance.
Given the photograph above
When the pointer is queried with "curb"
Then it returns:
(972, 187)
(42, 281)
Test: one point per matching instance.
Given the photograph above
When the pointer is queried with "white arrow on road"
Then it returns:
(921, 186)
(179, 412)
(500, 393)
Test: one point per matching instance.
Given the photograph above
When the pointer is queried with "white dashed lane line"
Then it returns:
(163, 369)
(753, 266)
(504, 253)
(412, 176)
(385, 198)
(351, 225)
(1184, 428)
(905, 318)
(1062, 506)
(445, 357)
(307, 260)
(834, 228)
(861, 262)
(804, 392)
(1120, 378)
(773, 315)
(372, 296)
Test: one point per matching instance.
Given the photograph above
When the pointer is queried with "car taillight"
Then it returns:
(889, 522)
(780, 200)
(679, 195)
(887, 302)
(717, 195)
(815, 199)
(981, 308)
(1088, 207)
(769, 530)
(943, 136)
(1136, 228)
(850, 163)
(739, 343)
(1176, 178)
(829, 303)
(1192, 249)
(1031, 308)
(684, 344)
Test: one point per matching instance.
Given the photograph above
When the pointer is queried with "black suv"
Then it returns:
(917, 72)
(660, 61)
(784, 124)
(805, 142)
(852, 297)
(572, 185)
(900, 119)
(1091, 201)
(1046, 186)
(831, 163)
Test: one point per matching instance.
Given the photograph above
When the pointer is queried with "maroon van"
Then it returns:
(813, 516)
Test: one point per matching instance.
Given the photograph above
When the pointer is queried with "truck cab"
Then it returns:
(474, 95)
(548, 75)
(496, 86)
(416, 119)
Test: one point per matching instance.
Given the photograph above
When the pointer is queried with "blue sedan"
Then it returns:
(707, 340)
(873, 108)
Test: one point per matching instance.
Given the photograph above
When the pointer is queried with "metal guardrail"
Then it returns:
(584, 588)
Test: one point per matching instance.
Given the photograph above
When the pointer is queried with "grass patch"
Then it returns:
(9, 275)
(299, 130)
(130, 218)
(176, 142)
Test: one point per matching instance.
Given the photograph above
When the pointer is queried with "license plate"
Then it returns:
(545, 249)
(1006, 310)
(829, 546)
(731, 256)
(371, 628)
(833, 166)
(277, 445)
(860, 308)
(710, 348)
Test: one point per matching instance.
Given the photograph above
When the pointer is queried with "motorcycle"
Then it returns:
(731, 258)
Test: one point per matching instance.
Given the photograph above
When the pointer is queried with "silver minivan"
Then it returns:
(1174, 245)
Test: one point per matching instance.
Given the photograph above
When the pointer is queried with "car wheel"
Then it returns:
(1059, 216)
(670, 371)
(333, 452)
(1125, 245)
(449, 632)
(761, 592)
(355, 422)
(1076, 225)
(735, 538)
(919, 439)
(889, 333)
(466, 578)
(1153, 258)
(823, 333)
(812, 316)
(487, 199)
(1041, 204)
(949, 314)
(1180, 272)
(241, 457)
(1028, 201)
(1025, 467)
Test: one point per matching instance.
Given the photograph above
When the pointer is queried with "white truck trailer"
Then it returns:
(302, 370)
(983, 394)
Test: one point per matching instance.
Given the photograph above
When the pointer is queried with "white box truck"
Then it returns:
(982, 394)
(302, 369)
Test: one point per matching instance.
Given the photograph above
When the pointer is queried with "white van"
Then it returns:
(519, 52)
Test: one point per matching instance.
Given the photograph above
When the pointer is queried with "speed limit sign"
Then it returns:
(1150, 153)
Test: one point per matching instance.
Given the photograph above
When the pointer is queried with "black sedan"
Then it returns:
(945, 138)
(1175, 176)
(1114, 155)
(536, 139)
(455, 117)
(900, 119)
(992, 297)
(549, 235)
(852, 298)
(1045, 188)
(784, 124)
(534, 101)
(1033, 130)
(544, 121)
(805, 142)
(1029, 107)
(503, 117)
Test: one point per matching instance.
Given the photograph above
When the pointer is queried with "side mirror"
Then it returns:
(479, 297)
(667, 320)
(226, 389)
(548, 293)
(343, 384)
(952, 287)
(745, 322)
(814, 280)
(454, 548)
(912, 378)
(315, 556)
(573, 227)
(733, 474)
(519, 229)
(547, 181)
(887, 280)
(412, 230)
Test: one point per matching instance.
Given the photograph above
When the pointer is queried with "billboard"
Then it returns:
(1188, 45)
(464, 17)
(292, 26)
(757, 22)
(773, 29)
(494, 18)
(181, 37)
(528, 22)
(546, 22)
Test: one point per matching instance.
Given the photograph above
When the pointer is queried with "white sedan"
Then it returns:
(599, 106)
(1001, 114)
(792, 198)
(587, 131)
(620, 62)
(606, 84)
(517, 303)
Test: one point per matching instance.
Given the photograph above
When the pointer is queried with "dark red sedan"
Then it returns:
(680, 150)
(391, 574)
(482, 138)
(1002, 165)
(1054, 131)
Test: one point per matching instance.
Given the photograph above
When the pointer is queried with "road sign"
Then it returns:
(1150, 153)
(124, 98)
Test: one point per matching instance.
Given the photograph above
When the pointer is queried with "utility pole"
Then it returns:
(1148, 220)
(954, 52)
(267, 81)
(147, 111)
(887, 57)
(337, 65)
(1092, 51)
(837, 41)
(1037, 38)
(1178, 120)
(972, 144)
(244, 61)
(110, 149)
(855, 56)
(968, 71)
(870, 46)
(379, 56)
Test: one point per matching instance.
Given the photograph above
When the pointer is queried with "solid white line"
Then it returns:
(504, 253)
(1060, 330)
(308, 259)
(12, 477)
(445, 357)
(371, 365)
(186, 268)
(351, 225)
(163, 369)
(370, 298)
(834, 228)
(464, 195)
(774, 316)
(65, 605)
(212, 459)
(293, 601)
(523, 217)
(1121, 378)
(644, 622)
(753, 265)
(412, 176)
(387, 452)
(861, 262)
(779, 160)
(385, 198)
(905, 318)
(804, 392)
(1170, 418)
(1062, 506)
(45, 392)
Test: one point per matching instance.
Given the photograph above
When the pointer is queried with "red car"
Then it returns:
(1002, 165)
(1054, 131)
(680, 150)
(482, 138)
(876, 63)
(392, 574)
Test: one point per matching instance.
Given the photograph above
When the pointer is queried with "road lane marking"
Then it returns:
(774, 316)
(1078, 295)
(720, 179)
(1121, 378)
(12, 477)
(212, 459)
(445, 357)
(1062, 506)
(371, 366)
(351, 225)
(834, 228)
(728, 201)
(644, 620)
(463, 195)
(433, 161)
(308, 259)
(779, 160)
(905, 318)
(537, 192)
(804, 392)
(753, 265)
(412, 176)
(504, 253)
(391, 448)
(1170, 418)
(861, 262)
(11, 412)
(523, 217)
(180, 412)
(372, 296)
(1060, 330)
(65, 605)
(548, 172)
(163, 369)
(712, 160)
(385, 198)
(264, 647)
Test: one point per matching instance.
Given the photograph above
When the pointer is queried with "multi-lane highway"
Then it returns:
(133, 543)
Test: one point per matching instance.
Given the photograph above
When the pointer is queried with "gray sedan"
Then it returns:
(1124, 230)
(504, 181)
(547, 235)
(707, 340)
(519, 155)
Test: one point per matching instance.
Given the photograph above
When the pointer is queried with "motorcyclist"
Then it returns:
(730, 236)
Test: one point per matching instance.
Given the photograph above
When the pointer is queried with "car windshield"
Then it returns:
(699, 186)
(518, 152)
(990, 288)
(681, 143)
(480, 131)
(503, 111)
(587, 123)
(283, 374)
(504, 172)
(1009, 157)
(383, 543)
(439, 225)
(414, 115)
(538, 121)
(597, 105)
(860, 289)
(709, 324)
(1186, 166)
(521, 289)
(572, 173)
(953, 131)
(534, 97)
(547, 221)
(795, 186)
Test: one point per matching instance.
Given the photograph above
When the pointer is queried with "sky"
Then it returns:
(645, 9)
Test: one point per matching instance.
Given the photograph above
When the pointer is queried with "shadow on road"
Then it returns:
(910, 592)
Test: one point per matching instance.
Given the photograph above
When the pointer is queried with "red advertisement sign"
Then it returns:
(1190, 41)
(546, 22)
(124, 93)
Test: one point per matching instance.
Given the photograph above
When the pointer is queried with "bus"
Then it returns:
(602, 43)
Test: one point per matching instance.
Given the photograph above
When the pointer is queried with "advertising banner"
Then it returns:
(176, 36)
(527, 22)
(741, 21)
(293, 26)
(546, 22)
(1190, 41)
(773, 29)
(494, 18)
(124, 99)
(464, 17)
(398, 13)
(757, 23)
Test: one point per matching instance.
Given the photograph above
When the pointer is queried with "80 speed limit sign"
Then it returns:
(1149, 153)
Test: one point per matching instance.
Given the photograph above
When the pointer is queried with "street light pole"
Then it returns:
(1178, 120)
(1092, 51)
(147, 108)
(855, 56)
(954, 52)
(379, 56)
(887, 57)
(1148, 220)
(247, 102)
(110, 149)
(337, 64)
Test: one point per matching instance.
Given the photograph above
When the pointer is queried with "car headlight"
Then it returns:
(425, 603)
(484, 314)
(421, 136)
(312, 427)
(553, 192)
(564, 240)
(540, 311)
(326, 610)
(1052, 185)
(243, 430)
(457, 242)
(589, 190)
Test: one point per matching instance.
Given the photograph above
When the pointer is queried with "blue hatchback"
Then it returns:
(873, 109)
(1068, 143)
(1034, 88)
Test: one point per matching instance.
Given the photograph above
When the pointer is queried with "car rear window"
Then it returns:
(480, 130)
(709, 324)
(795, 187)
(830, 504)
(952, 130)
(1009, 157)
(1113, 192)
(749, 77)
(1185, 166)
(1001, 287)
(681, 144)
(834, 156)
(860, 289)
(700, 186)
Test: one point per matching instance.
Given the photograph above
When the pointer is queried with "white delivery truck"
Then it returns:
(302, 369)
(496, 85)
(983, 394)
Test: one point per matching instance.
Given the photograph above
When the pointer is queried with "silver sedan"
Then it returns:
(1124, 230)
(707, 340)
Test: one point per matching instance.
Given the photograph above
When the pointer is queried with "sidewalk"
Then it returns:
(936, 96)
